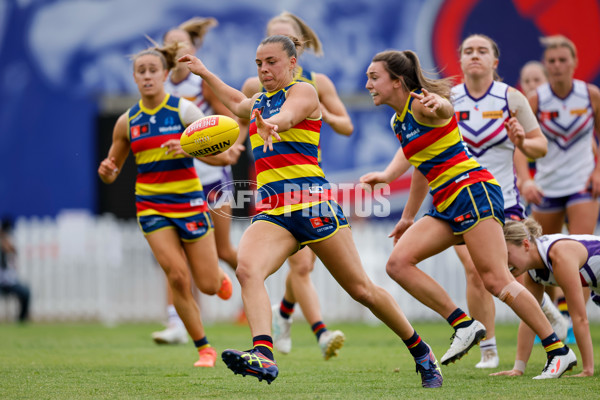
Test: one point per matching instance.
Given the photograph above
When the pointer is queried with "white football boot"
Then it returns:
(282, 338)
(462, 341)
(330, 342)
(489, 359)
(558, 365)
(175, 334)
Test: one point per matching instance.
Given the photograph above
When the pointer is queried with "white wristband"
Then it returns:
(528, 182)
(520, 365)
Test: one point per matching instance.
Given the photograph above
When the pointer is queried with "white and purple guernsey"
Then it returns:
(568, 124)
(481, 124)
(589, 272)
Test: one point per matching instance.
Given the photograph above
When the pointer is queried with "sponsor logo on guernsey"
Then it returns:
(548, 115)
(410, 130)
(462, 115)
(412, 133)
(138, 130)
(196, 202)
(492, 114)
(578, 111)
(461, 178)
(153, 119)
(173, 128)
(274, 111)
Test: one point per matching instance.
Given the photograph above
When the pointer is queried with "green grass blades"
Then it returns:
(91, 361)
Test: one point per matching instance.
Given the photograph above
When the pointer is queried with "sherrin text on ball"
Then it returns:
(209, 135)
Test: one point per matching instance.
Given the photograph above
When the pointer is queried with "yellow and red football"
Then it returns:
(209, 135)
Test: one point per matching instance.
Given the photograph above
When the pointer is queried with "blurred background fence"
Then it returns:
(82, 267)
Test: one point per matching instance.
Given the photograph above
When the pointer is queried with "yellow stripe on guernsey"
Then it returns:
(167, 214)
(288, 173)
(156, 109)
(452, 173)
(446, 203)
(435, 148)
(293, 135)
(148, 189)
(145, 189)
(291, 208)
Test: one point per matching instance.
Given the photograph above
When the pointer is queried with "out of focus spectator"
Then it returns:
(9, 282)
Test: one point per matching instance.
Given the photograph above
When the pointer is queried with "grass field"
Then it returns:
(91, 361)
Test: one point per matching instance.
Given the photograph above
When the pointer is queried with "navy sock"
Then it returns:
(201, 343)
(264, 344)
(553, 346)
(417, 347)
(286, 309)
(458, 319)
(318, 329)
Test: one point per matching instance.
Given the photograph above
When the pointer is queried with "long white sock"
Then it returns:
(172, 317)
(488, 344)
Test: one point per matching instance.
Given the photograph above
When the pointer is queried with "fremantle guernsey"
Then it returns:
(481, 122)
(166, 184)
(288, 178)
(440, 154)
(568, 124)
(191, 89)
(589, 273)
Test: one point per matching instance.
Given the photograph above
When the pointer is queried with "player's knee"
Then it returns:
(249, 273)
(509, 293)
(209, 286)
(303, 268)
(395, 268)
(178, 281)
(242, 272)
(362, 293)
(226, 253)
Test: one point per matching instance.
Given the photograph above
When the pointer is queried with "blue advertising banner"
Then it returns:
(61, 61)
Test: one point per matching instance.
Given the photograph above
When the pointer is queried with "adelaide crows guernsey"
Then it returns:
(568, 124)
(481, 122)
(589, 273)
(289, 178)
(166, 184)
(302, 75)
(440, 154)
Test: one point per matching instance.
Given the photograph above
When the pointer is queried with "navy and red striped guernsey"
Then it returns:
(440, 154)
(165, 185)
(289, 178)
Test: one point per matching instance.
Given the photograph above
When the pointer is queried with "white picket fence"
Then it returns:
(82, 267)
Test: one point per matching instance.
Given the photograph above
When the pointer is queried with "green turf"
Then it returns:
(91, 361)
